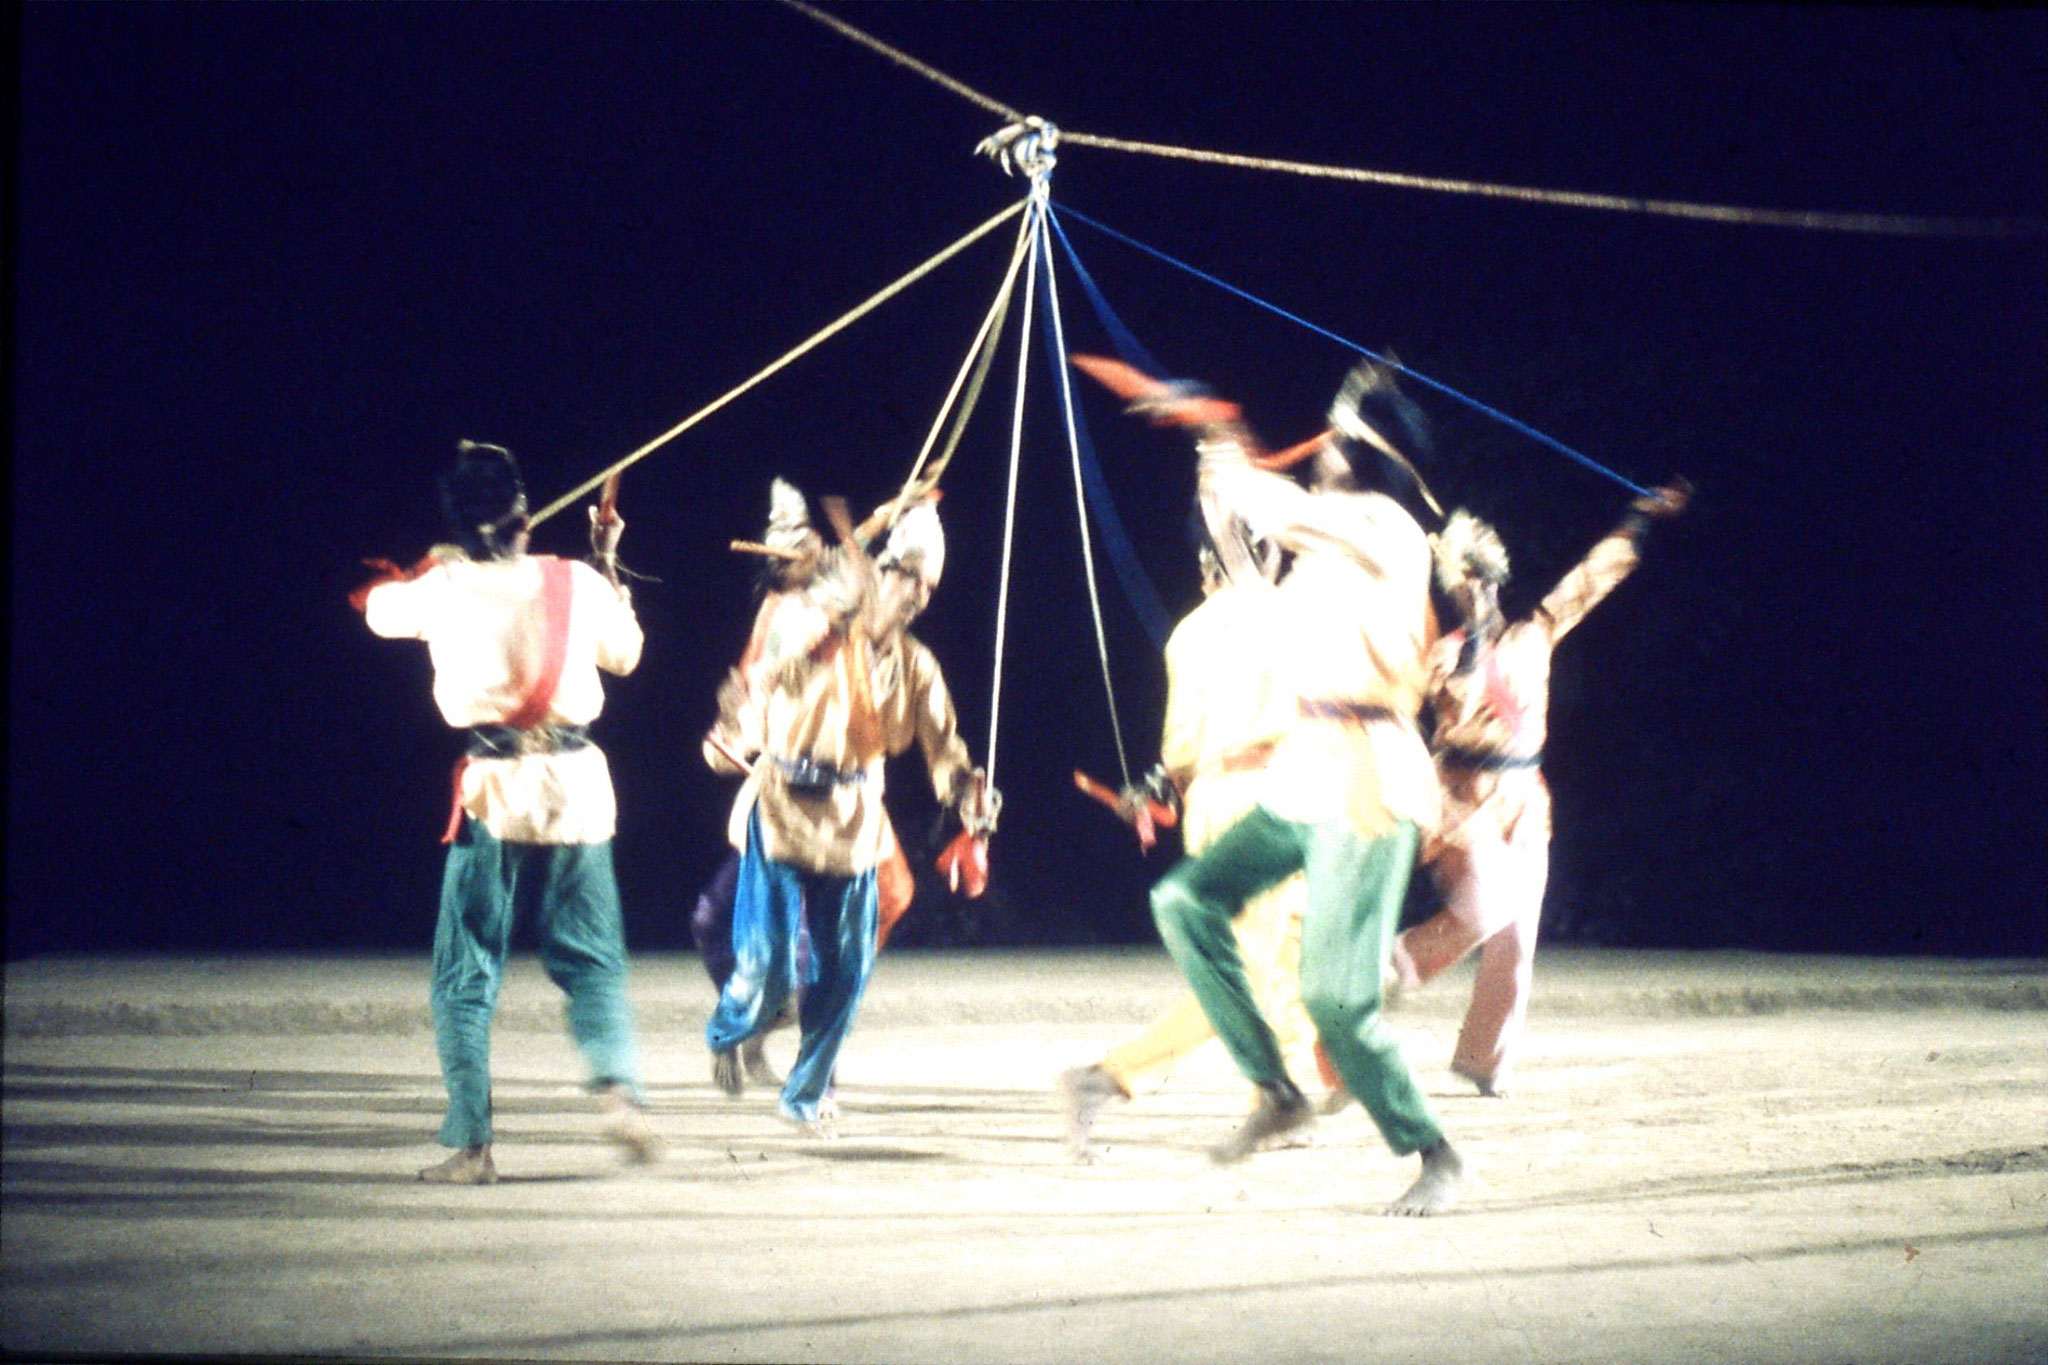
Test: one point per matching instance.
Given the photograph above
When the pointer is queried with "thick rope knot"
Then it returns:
(1025, 147)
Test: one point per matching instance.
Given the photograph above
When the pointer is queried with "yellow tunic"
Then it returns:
(1352, 624)
(1225, 712)
(1225, 709)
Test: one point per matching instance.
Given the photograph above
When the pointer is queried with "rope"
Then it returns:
(830, 330)
(1493, 412)
(980, 355)
(905, 60)
(1059, 359)
(1139, 589)
(1136, 354)
(995, 701)
(1892, 224)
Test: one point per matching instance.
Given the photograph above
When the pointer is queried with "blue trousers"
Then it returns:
(569, 893)
(711, 927)
(770, 909)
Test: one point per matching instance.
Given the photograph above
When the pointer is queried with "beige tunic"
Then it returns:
(484, 631)
(1498, 707)
(813, 708)
(1352, 622)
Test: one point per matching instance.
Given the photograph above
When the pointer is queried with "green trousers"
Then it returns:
(1355, 889)
(569, 894)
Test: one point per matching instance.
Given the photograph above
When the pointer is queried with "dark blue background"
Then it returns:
(274, 260)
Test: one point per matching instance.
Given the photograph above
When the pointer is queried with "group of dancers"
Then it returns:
(1293, 757)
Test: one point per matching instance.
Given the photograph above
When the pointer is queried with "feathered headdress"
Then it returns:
(1383, 435)
(789, 520)
(917, 544)
(1467, 548)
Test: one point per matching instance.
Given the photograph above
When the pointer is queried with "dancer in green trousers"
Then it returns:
(1349, 789)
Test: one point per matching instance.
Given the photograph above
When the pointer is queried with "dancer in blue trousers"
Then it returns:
(844, 688)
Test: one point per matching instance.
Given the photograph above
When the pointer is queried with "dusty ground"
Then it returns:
(1708, 1158)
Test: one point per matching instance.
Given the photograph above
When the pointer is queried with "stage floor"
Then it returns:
(1707, 1156)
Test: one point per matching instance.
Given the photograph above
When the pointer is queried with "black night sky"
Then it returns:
(271, 261)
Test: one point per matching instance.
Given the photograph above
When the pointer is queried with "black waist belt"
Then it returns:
(505, 741)
(1487, 763)
(1356, 711)
(809, 777)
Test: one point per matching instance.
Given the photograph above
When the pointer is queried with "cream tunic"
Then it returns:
(1499, 707)
(484, 630)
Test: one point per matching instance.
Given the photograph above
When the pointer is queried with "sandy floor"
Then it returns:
(1706, 1158)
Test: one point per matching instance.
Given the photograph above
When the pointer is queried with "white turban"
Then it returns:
(917, 545)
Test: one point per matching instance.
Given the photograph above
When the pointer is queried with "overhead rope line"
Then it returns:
(1884, 224)
(905, 60)
(1515, 423)
(817, 339)
(1887, 224)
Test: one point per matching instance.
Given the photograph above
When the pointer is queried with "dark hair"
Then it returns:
(483, 499)
(1401, 423)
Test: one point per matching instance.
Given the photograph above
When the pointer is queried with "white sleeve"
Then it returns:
(619, 638)
(406, 610)
(1270, 505)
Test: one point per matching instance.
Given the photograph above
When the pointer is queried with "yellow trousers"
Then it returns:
(1269, 938)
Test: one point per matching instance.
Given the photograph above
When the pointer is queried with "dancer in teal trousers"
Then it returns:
(517, 641)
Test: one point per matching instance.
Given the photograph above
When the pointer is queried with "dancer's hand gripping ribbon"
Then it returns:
(965, 859)
(1147, 807)
(606, 526)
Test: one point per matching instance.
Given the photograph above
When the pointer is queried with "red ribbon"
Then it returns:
(388, 572)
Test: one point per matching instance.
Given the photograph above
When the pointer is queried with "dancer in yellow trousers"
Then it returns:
(1224, 712)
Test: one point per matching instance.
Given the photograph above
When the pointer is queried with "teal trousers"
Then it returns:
(569, 894)
(1355, 889)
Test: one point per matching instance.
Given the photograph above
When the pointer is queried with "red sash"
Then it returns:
(557, 589)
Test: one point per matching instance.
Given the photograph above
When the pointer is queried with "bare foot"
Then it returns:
(823, 1128)
(1493, 1087)
(1437, 1188)
(626, 1126)
(754, 1062)
(725, 1073)
(1083, 1090)
(470, 1166)
(1282, 1109)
